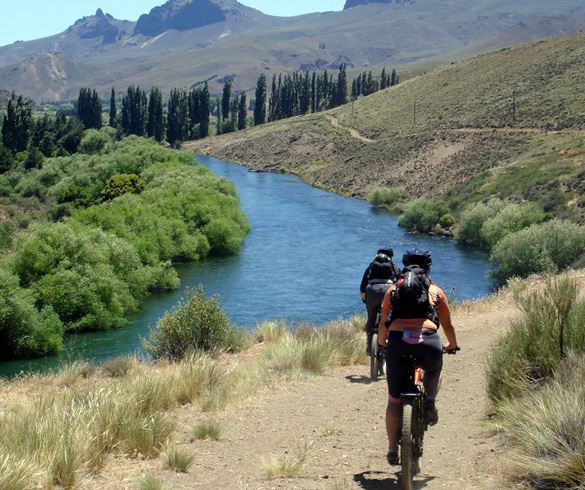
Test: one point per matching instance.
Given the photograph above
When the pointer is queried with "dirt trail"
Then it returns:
(353, 132)
(459, 453)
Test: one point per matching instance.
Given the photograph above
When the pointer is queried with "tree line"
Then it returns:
(187, 115)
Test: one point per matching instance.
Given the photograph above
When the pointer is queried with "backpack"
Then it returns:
(382, 270)
(411, 296)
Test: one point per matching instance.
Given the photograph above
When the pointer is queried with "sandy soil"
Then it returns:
(460, 452)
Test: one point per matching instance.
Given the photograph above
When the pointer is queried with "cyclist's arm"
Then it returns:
(444, 313)
(382, 330)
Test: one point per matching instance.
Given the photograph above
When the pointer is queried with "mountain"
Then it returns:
(186, 42)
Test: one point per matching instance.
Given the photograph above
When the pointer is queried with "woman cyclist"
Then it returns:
(412, 329)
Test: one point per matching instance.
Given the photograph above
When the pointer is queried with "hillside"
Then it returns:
(506, 123)
(184, 42)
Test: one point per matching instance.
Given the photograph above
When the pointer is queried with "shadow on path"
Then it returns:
(379, 480)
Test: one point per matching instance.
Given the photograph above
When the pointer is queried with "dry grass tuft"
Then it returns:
(178, 460)
(209, 430)
(290, 465)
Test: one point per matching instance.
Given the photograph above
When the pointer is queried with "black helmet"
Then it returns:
(386, 251)
(381, 258)
(422, 258)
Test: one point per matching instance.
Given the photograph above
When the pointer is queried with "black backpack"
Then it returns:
(411, 296)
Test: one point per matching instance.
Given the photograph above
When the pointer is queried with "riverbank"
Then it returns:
(331, 423)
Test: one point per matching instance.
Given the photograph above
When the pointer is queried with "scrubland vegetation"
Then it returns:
(535, 378)
(57, 429)
(115, 219)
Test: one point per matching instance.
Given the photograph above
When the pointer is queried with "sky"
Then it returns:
(24, 20)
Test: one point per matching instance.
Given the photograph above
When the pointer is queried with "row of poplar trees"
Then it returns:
(187, 115)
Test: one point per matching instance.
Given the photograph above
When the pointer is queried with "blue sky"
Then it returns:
(32, 19)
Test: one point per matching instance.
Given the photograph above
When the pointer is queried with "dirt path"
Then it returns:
(353, 132)
(459, 453)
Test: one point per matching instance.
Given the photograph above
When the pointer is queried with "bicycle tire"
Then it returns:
(374, 358)
(407, 447)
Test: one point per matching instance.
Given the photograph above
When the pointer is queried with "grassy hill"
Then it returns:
(509, 123)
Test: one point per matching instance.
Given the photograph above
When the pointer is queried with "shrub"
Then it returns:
(545, 429)
(543, 248)
(95, 142)
(196, 323)
(527, 355)
(472, 220)
(447, 221)
(120, 184)
(24, 331)
(422, 214)
(386, 197)
(512, 218)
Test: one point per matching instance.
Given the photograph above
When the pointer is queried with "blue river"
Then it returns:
(302, 262)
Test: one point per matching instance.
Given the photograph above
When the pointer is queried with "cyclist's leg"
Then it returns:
(432, 363)
(398, 378)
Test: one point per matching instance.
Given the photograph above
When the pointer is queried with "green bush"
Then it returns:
(542, 248)
(447, 221)
(24, 331)
(120, 184)
(422, 214)
(512, 218)
(197, 323)
(386, 197)
(473, 219)
(95, 142)
(527, 355)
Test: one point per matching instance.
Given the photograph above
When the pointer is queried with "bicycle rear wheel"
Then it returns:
(375, 358)
(407, 459)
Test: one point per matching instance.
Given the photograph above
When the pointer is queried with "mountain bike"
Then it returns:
(377, 358)
(413, 423)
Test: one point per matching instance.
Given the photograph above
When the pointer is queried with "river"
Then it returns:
(302, 262)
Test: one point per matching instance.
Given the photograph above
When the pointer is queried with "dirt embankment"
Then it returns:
(340, 417)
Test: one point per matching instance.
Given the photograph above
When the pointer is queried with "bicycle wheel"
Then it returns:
(407, 459)
(375, 358)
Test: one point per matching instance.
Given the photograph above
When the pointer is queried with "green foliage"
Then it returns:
(512, 218)
(196, 323)
(422, 214)
(542, 248)
(387, 196)
(96, 142)
(447, 221)
(118, 185)
(89, 108)
(24, 331)
(473, 218)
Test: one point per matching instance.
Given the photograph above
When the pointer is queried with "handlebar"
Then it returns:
(451, 351)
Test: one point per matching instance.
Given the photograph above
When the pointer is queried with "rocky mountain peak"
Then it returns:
(183, 15)
(98, 25)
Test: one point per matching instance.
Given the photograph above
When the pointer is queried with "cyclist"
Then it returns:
(413, 333)
(379, 275)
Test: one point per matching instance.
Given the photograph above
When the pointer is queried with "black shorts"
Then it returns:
(429, 354)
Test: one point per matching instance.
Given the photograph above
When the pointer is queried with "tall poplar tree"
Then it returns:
(260, 107)
(18, 124)
(156, 122)
(113, 109)
(226, 99)
(242, 111)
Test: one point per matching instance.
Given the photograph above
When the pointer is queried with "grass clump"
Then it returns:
(209, 430)
(330, 429)
(547, 428)
(118, 367)
(150, 482)
(270, 331)
(291, 465)
(16, 474)
(178, 460)
(386, 196)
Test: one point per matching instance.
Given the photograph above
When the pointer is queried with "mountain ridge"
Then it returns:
(248, 42)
